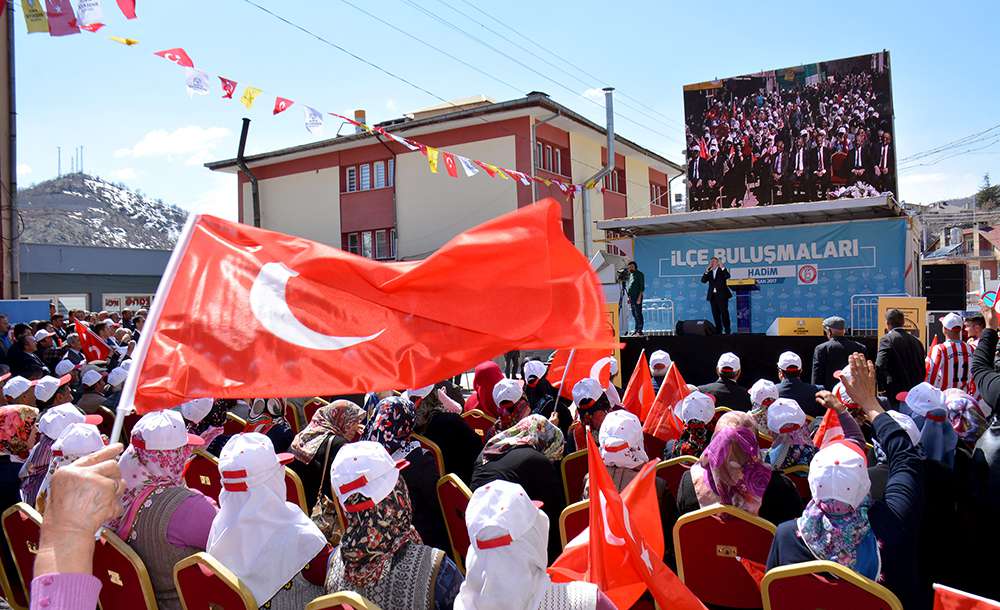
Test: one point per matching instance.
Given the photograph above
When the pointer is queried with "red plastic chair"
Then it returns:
(654, 446)
(799, 476)
(234, 424)
(201, 473)
(672, 470)
(837, 168)
(125, 583)
(574, 519)
(433, 448)
(708, 544)
(479, 422)
(205, 584)
(10, 582)
(294, 490)
(312, 405)
(22, 527)
(803, 586)
(342, 600)
(454, 496)
(293, 417)
(574, 469)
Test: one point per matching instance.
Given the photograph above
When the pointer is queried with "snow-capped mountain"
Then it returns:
(82, 210)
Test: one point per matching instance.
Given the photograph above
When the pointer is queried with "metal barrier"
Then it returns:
(865, 320)
(658, 315)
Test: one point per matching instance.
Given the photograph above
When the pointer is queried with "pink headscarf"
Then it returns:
(730, 470)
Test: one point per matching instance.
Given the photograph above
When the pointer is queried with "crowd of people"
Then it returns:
(902, 496)
(811, 142)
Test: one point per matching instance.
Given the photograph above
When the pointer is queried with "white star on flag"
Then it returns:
(469, 167)
(314, 120)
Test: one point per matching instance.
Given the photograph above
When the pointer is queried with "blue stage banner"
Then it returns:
(802, 270)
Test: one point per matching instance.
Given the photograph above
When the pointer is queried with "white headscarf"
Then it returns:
(621, 440)
(262, 538)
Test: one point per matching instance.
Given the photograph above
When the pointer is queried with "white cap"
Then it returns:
(43, 334)
(951, 321)
(789, 360)
(249, 458)
(54, 420)
(785, 415)
(620, 429)
(420, 392)
(364, 467)
(696, 406)
(587, 389)
(839, 472)
(922, 398)
(78, 440)
(91, 377)
(117, 376)
(907, 424)
(761, 390)
(63, 367)
(729, 361)
(659, 361)
(127, 364)
(506, 390)
(534, 368)
(196, 410)
(46, 387)
(16, 386)
(501, 506)
(163, 431)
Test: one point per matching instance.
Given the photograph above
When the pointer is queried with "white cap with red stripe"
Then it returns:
(248, 460)
(77, 440)
(55, 420)
(785, 415)
(163, 431)
(364, 468)
(501, 506)
(839, 471)
(696, 406)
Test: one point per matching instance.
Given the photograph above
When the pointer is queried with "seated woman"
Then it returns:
(267, 417)
(211, 426)
(511, 404)
(50, 425)
(486, 376)
(18, 434)
(381, 555)
(731, 472)
(528, 454)
(331, 427)
(542, 396)
(506, 562)
(438, 417)
(762, 393)
(162, 520)
(792, 445)
(842, 524)
(696, 412)
(269, 543)
(76, 441)
(592, 406)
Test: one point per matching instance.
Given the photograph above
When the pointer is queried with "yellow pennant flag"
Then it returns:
(128, 42)
(432, 159)
(34, 16)
(249, 96)
(500, 172)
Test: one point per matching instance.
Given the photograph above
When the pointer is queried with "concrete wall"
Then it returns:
(93, 285)
(637, 176)
(586, 162)
(433, 208)
(306, 204)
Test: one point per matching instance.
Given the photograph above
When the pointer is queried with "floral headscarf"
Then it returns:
(340, 418)
(17, 422)
(533, 431)
(508, 417)
(211, 426)
(34, 469)
(692, 441)
(792, 448)
(730, 470)
(392, 427)
(375, 535)
(835, 531)
(965, 414)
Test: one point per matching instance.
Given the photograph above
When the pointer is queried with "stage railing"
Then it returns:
(865, 320)
(658, 315)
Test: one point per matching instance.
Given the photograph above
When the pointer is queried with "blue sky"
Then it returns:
(140, 127)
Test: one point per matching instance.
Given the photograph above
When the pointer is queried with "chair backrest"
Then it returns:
(431, 446)
(234, 424)
(10, 582)
(673, 469)
(799, 476)
(201, 473)
(836, 164)
(295, 492)
(708, 544)
(124, 580)
(574, 519)
(309, 409)
(574, 469)
(342, 600)
(764, 441)
(453, 496)
(654, 446)
(479, 422)
(803, 585)
(107, 420)
(293, 417)
(22, 527)
(127, 425)
(205, 584)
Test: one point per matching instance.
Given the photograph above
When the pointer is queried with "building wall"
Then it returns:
(306, 204)
(586, 162)
(95, 286)
(637, 174)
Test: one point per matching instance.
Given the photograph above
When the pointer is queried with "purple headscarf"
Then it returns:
(730, 470)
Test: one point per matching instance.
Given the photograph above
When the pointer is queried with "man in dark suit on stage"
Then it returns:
(820, 157)
(885, 163)
(800, 180)
(859, 160)
(779, 173)
(899, 364)
(831, 356)
(719, 294)
(698, 173)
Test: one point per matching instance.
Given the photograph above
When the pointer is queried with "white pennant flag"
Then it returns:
(470, 168)
(402, 141)
(314, 120)
(523, 178)
(89, 15)
(197, 82)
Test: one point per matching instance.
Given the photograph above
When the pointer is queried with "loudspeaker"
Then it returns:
(696, 328)
(945, 287)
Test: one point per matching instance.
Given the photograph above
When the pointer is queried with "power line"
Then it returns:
(969, 139)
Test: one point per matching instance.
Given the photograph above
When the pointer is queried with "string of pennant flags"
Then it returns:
(57, 18)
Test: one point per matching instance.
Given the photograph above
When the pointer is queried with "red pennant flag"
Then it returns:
(62, 20)
(177, 56)
(660, 421)
(584, 363)
(92, 346)
(622, 549)
(946, 598)
(128, 8)
(639, 394)
(489, 169)
(829, 430)
(238, 304)
(281, 104)
(228, 88)
(449, 164)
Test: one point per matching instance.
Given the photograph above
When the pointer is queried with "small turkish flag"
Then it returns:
(946, 598)
(93, 347)
(242, 311)
(581, 363)
(661, 421)
(228, 88)
(639, 394)
(281, 104)
(178, 56)
(449, 164)
(62, 20)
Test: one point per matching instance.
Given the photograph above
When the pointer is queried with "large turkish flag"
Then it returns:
(246, 312)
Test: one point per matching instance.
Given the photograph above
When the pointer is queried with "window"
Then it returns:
(366, 244)
(381, 244)
(379, 174)
(558, 167)
(548, 158)
(352, 243)
(614, 181)
(366, 177)
(678, 198)
(352, 179)
(538, 155)
(390, 178)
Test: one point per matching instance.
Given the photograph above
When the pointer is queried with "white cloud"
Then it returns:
(594, 94)
(194, 144)
(23, 169)
(219, 200)
(124, 174)
(390, 105)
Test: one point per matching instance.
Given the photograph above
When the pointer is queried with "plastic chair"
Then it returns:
(342, 600)
(433, 448)
(107, 421)
(801, 586)
(574, 519)
(708, 544)
(837, 161)
(125, 583)
(10, 582)
(234, 424)
(764, 441)
(479, 422)
(295, 492)
(672, 470)
(453, 496)
(201, 473)
(22, 527)
(312, 405)
(205, 584)
(654, 446)
(799, 476)
(574, 468)
(293, 417)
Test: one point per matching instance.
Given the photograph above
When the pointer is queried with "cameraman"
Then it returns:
(635, 286)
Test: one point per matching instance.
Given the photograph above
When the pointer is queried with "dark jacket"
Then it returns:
(781, 500)
(802, 393)
(312, 473)
(830, 357)
(459, 444)
(25, 364)
(899, 363)
(421, 478)
(986, 378)
(635, 285)
(894, 520)
(728, 393)
(717, 285)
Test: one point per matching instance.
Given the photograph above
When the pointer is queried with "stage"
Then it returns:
(696, 356)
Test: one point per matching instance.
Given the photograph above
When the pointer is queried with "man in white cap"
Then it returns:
(92, 388)
(47, 352)
(951, 361)
(116, 381)
(50, 391)
(17, 391)
(659, 364)
(725, 390)
(66, 367)
(792, 386)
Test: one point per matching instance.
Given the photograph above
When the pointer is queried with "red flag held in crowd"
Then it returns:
(91, 345)
(829, 430)
(946, 598)
(128, 8)
(242, 311)
(583, 363)
(639, 394)
(178, 56)
(661, 421)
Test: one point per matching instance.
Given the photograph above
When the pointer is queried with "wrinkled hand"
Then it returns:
(87, 493)
(990, 316)
(861, 386)
(827, 399)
